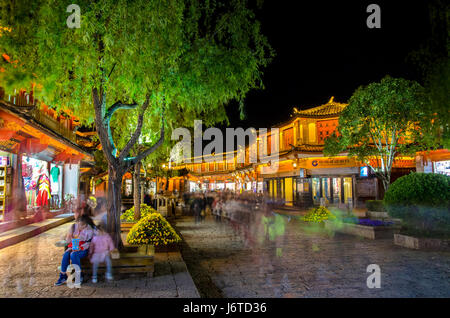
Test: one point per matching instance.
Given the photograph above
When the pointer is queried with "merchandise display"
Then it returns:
(36, 180)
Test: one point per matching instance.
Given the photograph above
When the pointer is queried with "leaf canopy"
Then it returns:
(192, 57)
(384, 119)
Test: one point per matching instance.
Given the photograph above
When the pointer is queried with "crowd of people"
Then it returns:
(249, 214)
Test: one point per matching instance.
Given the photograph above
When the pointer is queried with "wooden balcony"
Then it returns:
(53, 125)
(26, 104)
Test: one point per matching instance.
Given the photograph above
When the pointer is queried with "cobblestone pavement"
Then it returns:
(30, 268)
(308, 264)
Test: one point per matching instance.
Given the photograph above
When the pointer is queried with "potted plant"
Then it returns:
(127, 217)
(150, 232)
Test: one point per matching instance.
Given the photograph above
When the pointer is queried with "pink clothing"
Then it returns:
(101, 246)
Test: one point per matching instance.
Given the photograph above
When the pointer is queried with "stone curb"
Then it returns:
(31, 230)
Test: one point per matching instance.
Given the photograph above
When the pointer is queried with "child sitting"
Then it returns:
(99, 252)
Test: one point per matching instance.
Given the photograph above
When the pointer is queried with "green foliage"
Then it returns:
(432, 60)
(189, 57)
(421, 200)
(152, 229)
(375, 205)
(128, 215)
(100, 161)
(437, 84)
(318, 215)
(384, 119)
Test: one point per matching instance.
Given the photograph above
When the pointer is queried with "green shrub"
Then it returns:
(422, 201)
(128, 215)
(375, 205)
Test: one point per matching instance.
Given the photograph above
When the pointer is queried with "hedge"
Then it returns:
(421, 200)
(375, 205)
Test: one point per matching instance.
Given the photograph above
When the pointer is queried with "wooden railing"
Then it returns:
(53, 125)
(27, 100)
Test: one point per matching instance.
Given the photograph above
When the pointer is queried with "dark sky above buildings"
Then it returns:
(324, 49)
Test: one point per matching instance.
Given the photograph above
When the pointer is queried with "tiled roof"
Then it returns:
(309, 148)
(329, 109)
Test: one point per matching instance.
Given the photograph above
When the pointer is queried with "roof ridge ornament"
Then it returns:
(331, 100)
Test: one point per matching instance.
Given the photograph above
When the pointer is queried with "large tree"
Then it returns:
(155, 59)
(383, 120)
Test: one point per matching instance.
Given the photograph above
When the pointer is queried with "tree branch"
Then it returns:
(126, 150)
(112, 69)
(115, 107)
(100, 125)
(148, 151)
(107, 119)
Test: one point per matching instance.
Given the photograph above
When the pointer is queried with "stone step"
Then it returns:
(22, 233)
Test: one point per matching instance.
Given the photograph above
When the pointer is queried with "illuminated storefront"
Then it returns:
(437, 161)
(5, 182)
(42, 160)
(36, 182)
(303, 176)
(42, 183)
(442, 167)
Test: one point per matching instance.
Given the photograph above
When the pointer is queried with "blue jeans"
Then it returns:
(75, 257)
(108, 267)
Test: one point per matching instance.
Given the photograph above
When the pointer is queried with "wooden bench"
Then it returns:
(131, 262)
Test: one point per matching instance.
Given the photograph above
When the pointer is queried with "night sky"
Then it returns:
(325, 49)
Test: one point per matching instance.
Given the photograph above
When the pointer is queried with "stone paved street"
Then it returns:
(310, 264)
(29, 269)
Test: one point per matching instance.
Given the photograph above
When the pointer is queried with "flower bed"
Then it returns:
(369, 222)
(127, 218)
(371, 229)
(152, 229)
(318, 215)
(418, 243)
(128, 215)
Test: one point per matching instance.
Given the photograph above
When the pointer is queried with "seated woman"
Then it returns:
(79, 238)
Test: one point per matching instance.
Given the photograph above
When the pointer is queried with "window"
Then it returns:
(288, 138)
(301, 132)
(312, 132)
(269, 142)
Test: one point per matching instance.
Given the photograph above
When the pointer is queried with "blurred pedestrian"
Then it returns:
(197, 207)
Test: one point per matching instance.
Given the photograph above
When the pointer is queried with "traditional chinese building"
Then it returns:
(304, 176)
(41, 155)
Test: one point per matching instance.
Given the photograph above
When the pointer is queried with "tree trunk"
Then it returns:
(385, 184)
(137, 191)
(114, 204)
